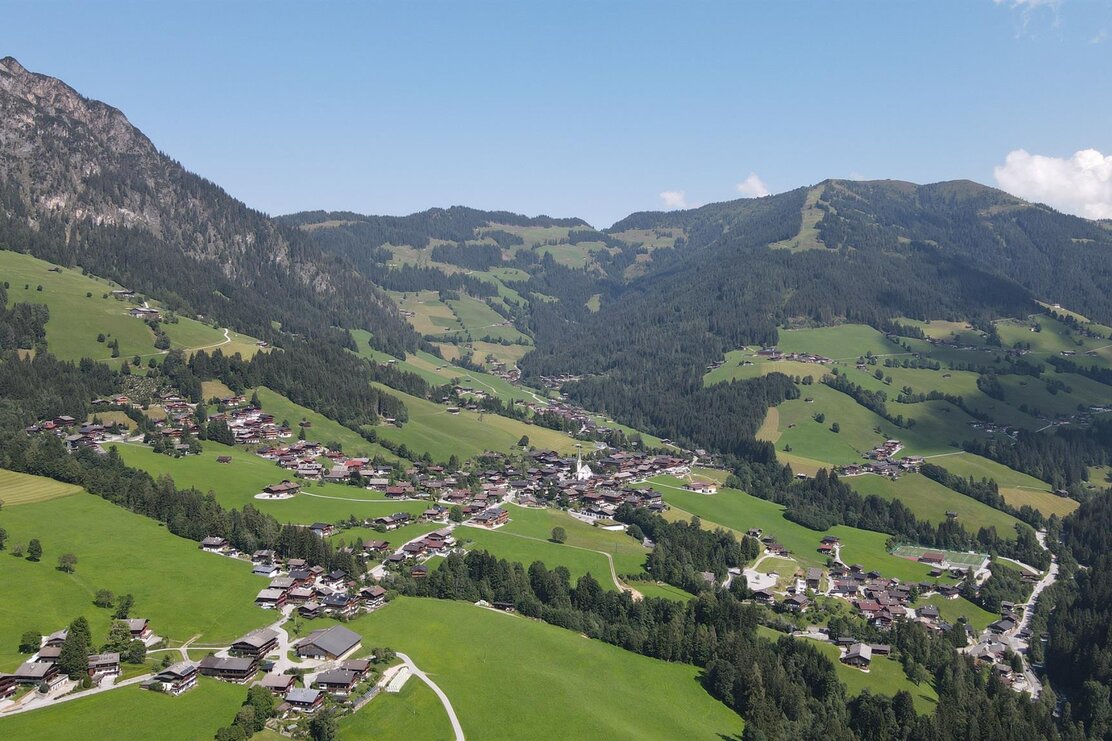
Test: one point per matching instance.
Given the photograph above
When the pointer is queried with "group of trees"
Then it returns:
(1063, 457)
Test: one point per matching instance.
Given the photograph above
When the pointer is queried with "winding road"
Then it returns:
(456, 727)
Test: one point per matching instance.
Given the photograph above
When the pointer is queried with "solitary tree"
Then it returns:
(67, 562)
(34, 550)
(29, 643)
(73, 661)
(103, 598)
(3, 537)
(559, 535)
(455, 514)
(124, 607)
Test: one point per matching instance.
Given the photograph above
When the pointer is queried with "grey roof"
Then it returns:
(335, 641)
(337, 676)
(302, 695)
(175, 671)
(862, 650)
(258, 638)
(277, 680)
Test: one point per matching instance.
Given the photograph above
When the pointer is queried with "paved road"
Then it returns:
(36, 702)
(456, 727)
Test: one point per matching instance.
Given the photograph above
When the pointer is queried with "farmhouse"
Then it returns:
(279, 684)
(859, 655)
(256, 644)
(328, 643)
(177, 678)
(304, 700)
(139, 627)
(232, 669)
(104, 665)
(271, 599)
(285, 488)
(702, 487)
(337, 680)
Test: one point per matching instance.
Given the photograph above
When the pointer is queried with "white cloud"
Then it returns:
(674, 199)
(1028, 8)
(1101, 37)
(1081, 184)
(753, 187)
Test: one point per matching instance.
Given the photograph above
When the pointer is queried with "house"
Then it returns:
(328, 643)
(702, 487)
(35, 672)
(1003, 625)
(177, 678)
(339, 605)
(935, 558)
(311, 610)
(104, 665)
(859, 655)
(359, 666)
(304, 700)
(279, 684)
(8, 686)
(232, 669)
(374, 596)
(57, 638)
(256, 644)
(285, 488)
(492, 517)
(796, 603)
(814, 578)
(140, 628)
(322, 529)
(214, 543)
(49, 654)
(337, 681)
(269, 570)
(271, 599)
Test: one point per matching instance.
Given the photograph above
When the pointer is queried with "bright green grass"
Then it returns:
(732, 368)
(526, 550)
(133, 713)
(930, 501)
(76, 320)
(479, 320)
(1017, 488)
(431, 316)
(843, 342)
(19, 488)
(413, 713)
(182, 590)
(1033, 392)
(740, 511)
(628, 554)
(431, 429)
(324, 430)
(509, 354)
(487, 662)
(235, 484)
(885, 675)
(661, 590)
(396, 537)
(952, 609)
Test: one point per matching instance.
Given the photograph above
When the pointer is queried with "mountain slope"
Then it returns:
(79, 185)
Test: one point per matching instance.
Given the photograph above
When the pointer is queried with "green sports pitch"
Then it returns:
(953, 558)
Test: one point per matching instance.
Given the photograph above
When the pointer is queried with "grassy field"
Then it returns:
(431, 429)
(133, 713)
(77, 318)
(235, 484)
(843, 342)
(479, 320)
(19, 488)
(930, 501)
(324, 430)
(413, 713)
(182, 590)
(740, 511)
(487, 662)
(628, 554)
(1017, 488)
(430, 315)
(526, 550)
(952, 609)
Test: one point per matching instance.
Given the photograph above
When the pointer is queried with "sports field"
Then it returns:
(487, 662)
(182, 590)
(954, 558)
(20, 488)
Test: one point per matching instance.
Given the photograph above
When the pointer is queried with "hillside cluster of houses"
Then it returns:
(772, 353)
(882, 461)
(42, 668)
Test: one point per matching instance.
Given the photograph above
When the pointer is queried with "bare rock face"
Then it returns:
(66, 157)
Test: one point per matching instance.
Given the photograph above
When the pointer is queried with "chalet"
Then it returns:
(702, 487)
(304, 700)
(328, 643)
(322, 529)
(232, 669)
(285, 488)
(419, 572)
(140, 628)
(271, 599)
(1003, 625)
(269, 570)
(256, 644)
(311, 610)
(337, 681)
(177, 678)
(859, 655)
(57, 638)
(927, 612)
(359, 666)
(282, 583)
(339, 605)
(796, 603)
(279, 684)
(104, 665)
(814, 578)
(492, 517)
(374, 596)
(35, 672)
(214, 543)
(143, 312)
(49, 654)
(376, 546)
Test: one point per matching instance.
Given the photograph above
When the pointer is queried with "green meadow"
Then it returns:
(132, 713)
(628, 554)
(479, 320)
(183, 591)
(1017, 488)
(413, 713)
(526, 550)
(842, 342)
(323, 430)
(20, 488)
(952, 609)
(77, 318)
(487, 662)
(930, 501)
(740, 511)
(431, 429)
(235, 484)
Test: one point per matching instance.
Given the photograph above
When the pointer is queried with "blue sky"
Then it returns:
(593, 109)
